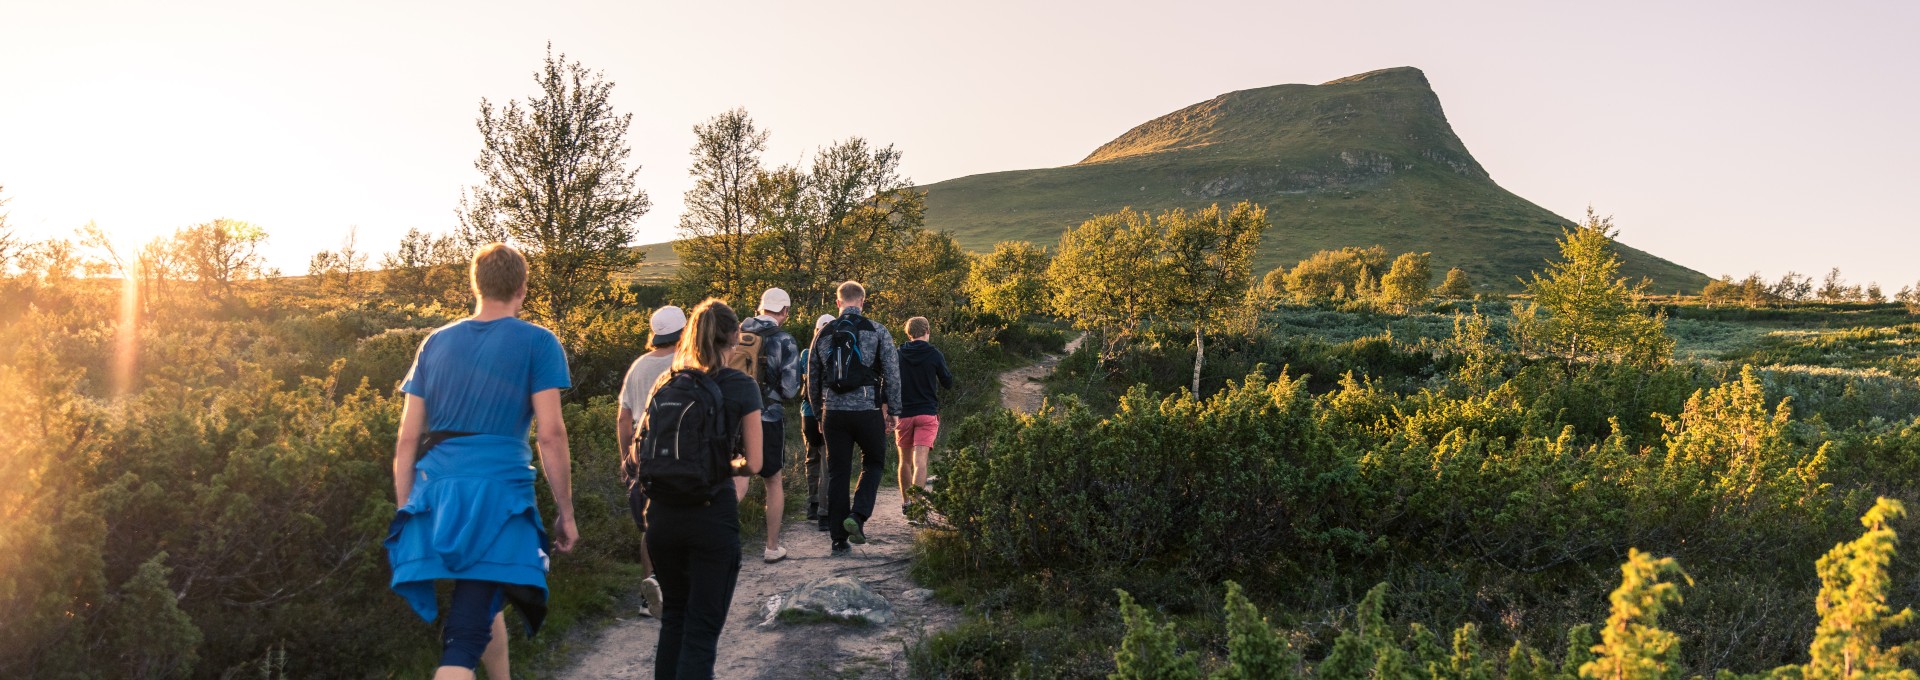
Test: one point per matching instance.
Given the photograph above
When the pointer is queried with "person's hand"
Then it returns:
(565, 535)
(820, 426)
(893, 424)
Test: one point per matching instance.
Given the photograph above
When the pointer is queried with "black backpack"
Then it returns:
(682, 449)
(847, 370)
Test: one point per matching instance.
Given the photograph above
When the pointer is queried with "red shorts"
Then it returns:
(917, 431)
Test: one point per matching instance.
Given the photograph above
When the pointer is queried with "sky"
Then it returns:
(1730, 137)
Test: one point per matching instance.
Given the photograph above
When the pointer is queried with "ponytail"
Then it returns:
(710, 333)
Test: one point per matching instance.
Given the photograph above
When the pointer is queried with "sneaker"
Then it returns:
(650, 591)
(813, 511)
(774, 554)
(856, 534)
(841, 548)
(824, 526)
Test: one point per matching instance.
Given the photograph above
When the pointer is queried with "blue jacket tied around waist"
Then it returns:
(471, 515)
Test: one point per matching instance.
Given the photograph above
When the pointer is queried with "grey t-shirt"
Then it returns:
(641, 378)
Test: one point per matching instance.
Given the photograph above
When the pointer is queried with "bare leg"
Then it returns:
(495, 658)
(453, 673)
(920, 454)
(906, 473)
(646, 561)
(776, 506)
(740, 487)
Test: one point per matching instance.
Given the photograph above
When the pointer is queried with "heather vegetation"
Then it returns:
(1370, 471)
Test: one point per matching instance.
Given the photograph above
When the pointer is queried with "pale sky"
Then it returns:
(1727, 136)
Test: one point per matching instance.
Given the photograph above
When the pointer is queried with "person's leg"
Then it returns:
(649, 587)
(495, 658)
(903, 440)
(469, 628)
(773, 461)
(816, 445)
(713, 567)
(665, 540)
(870, 431)
(924, 435)
(839, 468)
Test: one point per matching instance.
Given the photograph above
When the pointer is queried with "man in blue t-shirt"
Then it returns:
(462, 468)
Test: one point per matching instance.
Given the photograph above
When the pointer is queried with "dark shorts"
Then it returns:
(637, 504)
(773, 447)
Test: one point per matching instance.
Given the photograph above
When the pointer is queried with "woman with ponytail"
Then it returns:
(696, 546)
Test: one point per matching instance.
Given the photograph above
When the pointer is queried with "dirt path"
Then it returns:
(1020, 388)
(752, 649)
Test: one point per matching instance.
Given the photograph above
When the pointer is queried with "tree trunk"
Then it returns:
(1199, 357)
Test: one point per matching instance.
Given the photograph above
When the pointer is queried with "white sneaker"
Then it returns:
(650, 591)
(773, 555)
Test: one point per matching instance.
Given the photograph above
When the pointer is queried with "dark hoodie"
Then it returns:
(921, 366)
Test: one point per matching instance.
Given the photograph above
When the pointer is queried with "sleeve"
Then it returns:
(890, 367)
(415, 384)
(741, 391)
(549, 368)
(626, 389)
(940, 369)
(789, 381)
(813, 375)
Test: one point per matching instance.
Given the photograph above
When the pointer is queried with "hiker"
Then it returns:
(810, 431)
(772, 357)
(921, 367)
(698, 414)
(635, 392)
(462, 472)
(853, 379)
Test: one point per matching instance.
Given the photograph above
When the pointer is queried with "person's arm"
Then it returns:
(750, 438)
(940, 369)
(623, 433)
(557, 462)
(406, 446)
(890, 369)
(814, 368)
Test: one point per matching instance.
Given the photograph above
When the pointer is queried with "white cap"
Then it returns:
(822, 322)
(667, 320)
(775, 300)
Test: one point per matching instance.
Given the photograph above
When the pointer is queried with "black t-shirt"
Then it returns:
(739, 396)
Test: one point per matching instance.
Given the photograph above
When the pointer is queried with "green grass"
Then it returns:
(1362, 161)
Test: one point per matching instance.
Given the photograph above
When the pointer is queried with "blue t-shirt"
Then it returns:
(480, 376)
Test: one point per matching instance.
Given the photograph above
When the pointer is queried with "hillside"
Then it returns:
(1363, 160)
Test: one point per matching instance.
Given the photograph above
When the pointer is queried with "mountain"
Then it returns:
(1363, 160)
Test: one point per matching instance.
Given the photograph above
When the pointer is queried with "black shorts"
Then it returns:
(773, 447)
(637, 504)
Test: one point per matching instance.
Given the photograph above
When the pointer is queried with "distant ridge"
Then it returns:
(1362, 160)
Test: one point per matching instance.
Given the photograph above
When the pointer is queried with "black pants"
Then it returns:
(844, 430)
(696, 558)
(816, 447)
(469, 626)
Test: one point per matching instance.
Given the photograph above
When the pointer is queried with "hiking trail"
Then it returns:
(1021, 389)
(751, 649)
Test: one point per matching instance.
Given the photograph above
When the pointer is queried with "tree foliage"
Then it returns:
(1583, 310)
(1854, 614)
(1011, 281)
(1456, 286)
(557, 184)
(1336, 274)
(1409, 281)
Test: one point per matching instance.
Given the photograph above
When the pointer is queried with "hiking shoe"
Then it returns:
(813, 511)
(856, 534)
(774, 554)
(841, 548)
(824, 526)
(650, 591)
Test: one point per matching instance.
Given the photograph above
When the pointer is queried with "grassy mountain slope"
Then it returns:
(1364, 160)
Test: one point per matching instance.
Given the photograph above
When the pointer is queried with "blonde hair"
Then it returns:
(917, 327)
(850, 291)
(498, 272)
(710, 332)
